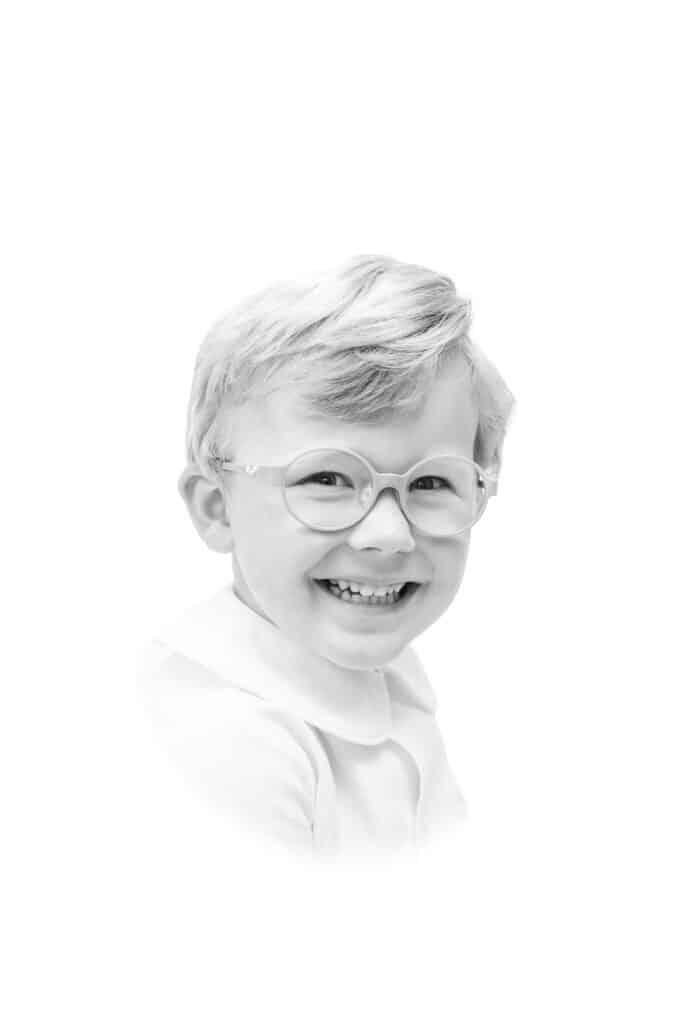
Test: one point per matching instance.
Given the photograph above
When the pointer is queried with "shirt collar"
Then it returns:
(229, 638)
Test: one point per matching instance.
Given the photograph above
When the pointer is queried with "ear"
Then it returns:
(488, 450)
(205, 501)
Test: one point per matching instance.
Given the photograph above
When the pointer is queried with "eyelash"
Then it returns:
(315, 478)
(440, 478)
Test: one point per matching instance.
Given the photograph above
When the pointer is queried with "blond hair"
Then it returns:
(363, 341)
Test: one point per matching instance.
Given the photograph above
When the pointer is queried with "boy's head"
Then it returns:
(372, 359)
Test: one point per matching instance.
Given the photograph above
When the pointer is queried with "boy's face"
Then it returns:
(276, 559)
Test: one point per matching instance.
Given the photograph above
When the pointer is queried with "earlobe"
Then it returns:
(205, 501)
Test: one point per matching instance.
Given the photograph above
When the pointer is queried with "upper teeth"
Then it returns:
(366, 591)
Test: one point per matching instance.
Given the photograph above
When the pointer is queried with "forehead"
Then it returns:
(275, 427)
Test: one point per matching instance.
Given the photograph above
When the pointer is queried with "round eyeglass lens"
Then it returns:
(444, 496)
(327, 489)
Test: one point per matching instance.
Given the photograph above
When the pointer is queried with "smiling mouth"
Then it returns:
(387, 601)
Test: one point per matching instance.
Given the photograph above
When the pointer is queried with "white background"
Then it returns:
(161, 162)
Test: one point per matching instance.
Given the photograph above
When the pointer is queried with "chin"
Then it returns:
(364, 660)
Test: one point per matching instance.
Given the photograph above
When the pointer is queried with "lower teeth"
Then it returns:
(359, 599)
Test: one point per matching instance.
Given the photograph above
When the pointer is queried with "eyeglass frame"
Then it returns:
(380, 482)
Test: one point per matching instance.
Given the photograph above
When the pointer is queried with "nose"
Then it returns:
(384, 527)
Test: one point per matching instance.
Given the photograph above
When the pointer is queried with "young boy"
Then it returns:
(343, 437)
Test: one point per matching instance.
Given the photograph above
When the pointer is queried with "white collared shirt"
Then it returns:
(316, 756)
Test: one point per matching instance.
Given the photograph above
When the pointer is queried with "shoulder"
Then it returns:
(181, 695)
(245, 755)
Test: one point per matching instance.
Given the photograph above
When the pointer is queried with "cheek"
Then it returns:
(273, 548)
(259, 522)
(449, 566)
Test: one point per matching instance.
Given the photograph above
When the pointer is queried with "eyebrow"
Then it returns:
(437, 453)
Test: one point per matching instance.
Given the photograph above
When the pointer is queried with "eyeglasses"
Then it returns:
(334, 488)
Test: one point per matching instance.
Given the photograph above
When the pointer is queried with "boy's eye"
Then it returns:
(326, 478)
(430, 483)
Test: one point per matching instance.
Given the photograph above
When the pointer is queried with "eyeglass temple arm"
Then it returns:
(216, 462)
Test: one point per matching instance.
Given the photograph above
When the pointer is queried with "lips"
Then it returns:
(406, 592)
(366, 581)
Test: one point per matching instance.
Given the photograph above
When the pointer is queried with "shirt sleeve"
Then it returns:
(236, 751)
